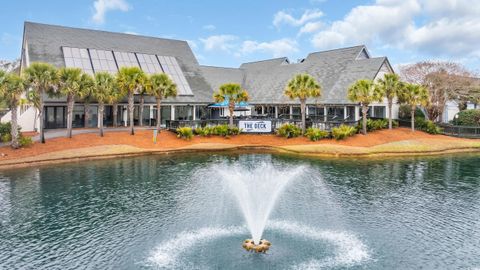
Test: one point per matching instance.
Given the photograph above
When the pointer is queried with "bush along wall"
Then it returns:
(468, 118)
(6, 137)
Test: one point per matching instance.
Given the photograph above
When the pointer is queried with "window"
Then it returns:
(77, 58)
(126, 59)
(149, 63)
(379, 111)
(103, 61)
(183, 112)
(171, 67)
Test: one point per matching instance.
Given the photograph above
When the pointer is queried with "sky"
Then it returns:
(228, 33)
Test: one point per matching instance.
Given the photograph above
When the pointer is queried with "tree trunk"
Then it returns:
(412, 117)
(14, 129)
(302, 111)
(364, 119)
(390, 104)
(86, 112)
(101, 109)
(115, 113)
(130, 112)
(140, 118)
(231, 108)
(159, 114)
(70, 103)
(41, 116)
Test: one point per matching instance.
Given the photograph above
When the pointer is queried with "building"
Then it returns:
(94, 51)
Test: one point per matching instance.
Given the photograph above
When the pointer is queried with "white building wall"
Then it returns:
(451, 109)
(26, 120)
(385, 69)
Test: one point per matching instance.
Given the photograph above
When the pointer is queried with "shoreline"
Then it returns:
(119, 151)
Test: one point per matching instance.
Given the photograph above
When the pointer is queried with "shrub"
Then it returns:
(427, 126)
(343, 132)
(468, 118)
(6, 137)
(234, 130)
(221, 130)
(395, 124)
(5, 128)
(25, 141)
(376, 124)
(205, 131)
(315, 134)
(289, 131)
(185, 133)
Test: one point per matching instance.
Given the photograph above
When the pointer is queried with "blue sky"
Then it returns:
(227, 33)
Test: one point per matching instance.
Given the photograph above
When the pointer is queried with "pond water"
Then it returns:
(175, 212)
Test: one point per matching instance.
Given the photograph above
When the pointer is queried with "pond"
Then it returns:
(176, 212)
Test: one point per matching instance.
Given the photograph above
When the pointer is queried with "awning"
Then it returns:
(224, 104)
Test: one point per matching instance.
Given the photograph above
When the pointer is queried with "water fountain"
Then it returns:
(256, 190)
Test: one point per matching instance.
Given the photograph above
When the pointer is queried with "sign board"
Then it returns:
(255, 126)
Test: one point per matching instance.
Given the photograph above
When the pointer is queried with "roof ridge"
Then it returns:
(208, 66)
(338, 49)
(103, 31)
(265, 60)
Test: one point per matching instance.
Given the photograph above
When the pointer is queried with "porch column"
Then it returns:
(172, 112)
(125, 115)
(357, 113)
(372, 113)
(344, 112)
(194, 112)
(276, 111)
(306, 111)
(325, 113)
(291, 112)
(263, 109)
(152, 113)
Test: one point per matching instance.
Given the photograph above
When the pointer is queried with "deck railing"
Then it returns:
(276, 123)
(461, 131)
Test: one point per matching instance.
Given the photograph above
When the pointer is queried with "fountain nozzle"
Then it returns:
(262, 247)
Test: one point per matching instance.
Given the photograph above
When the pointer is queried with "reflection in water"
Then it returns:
(421, 212)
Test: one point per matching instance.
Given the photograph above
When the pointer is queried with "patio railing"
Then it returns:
(276, 123)
(461, 131)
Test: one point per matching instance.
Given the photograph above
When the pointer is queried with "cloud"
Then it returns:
(310, 27)
(442, 28)
(219, 42)
(282, 17)
(387, 20)
(103, 6)
(276, 48)
(209, 27)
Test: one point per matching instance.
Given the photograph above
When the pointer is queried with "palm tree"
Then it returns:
(389, 87)
(302, 86)
(104, 87)
(141, 94)
(414, 95)
(161, 86)
(12, 86)
(42, 78)
(87, 88)
(115, 97)
(131, 80)
(69, 84)
(364, 92)
(232, 93)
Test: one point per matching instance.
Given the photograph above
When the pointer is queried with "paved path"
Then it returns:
(56, 133)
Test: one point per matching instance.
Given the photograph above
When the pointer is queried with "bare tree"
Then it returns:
(444, 81)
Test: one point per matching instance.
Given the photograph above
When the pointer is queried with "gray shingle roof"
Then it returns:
(45, 42)
(265, 80)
